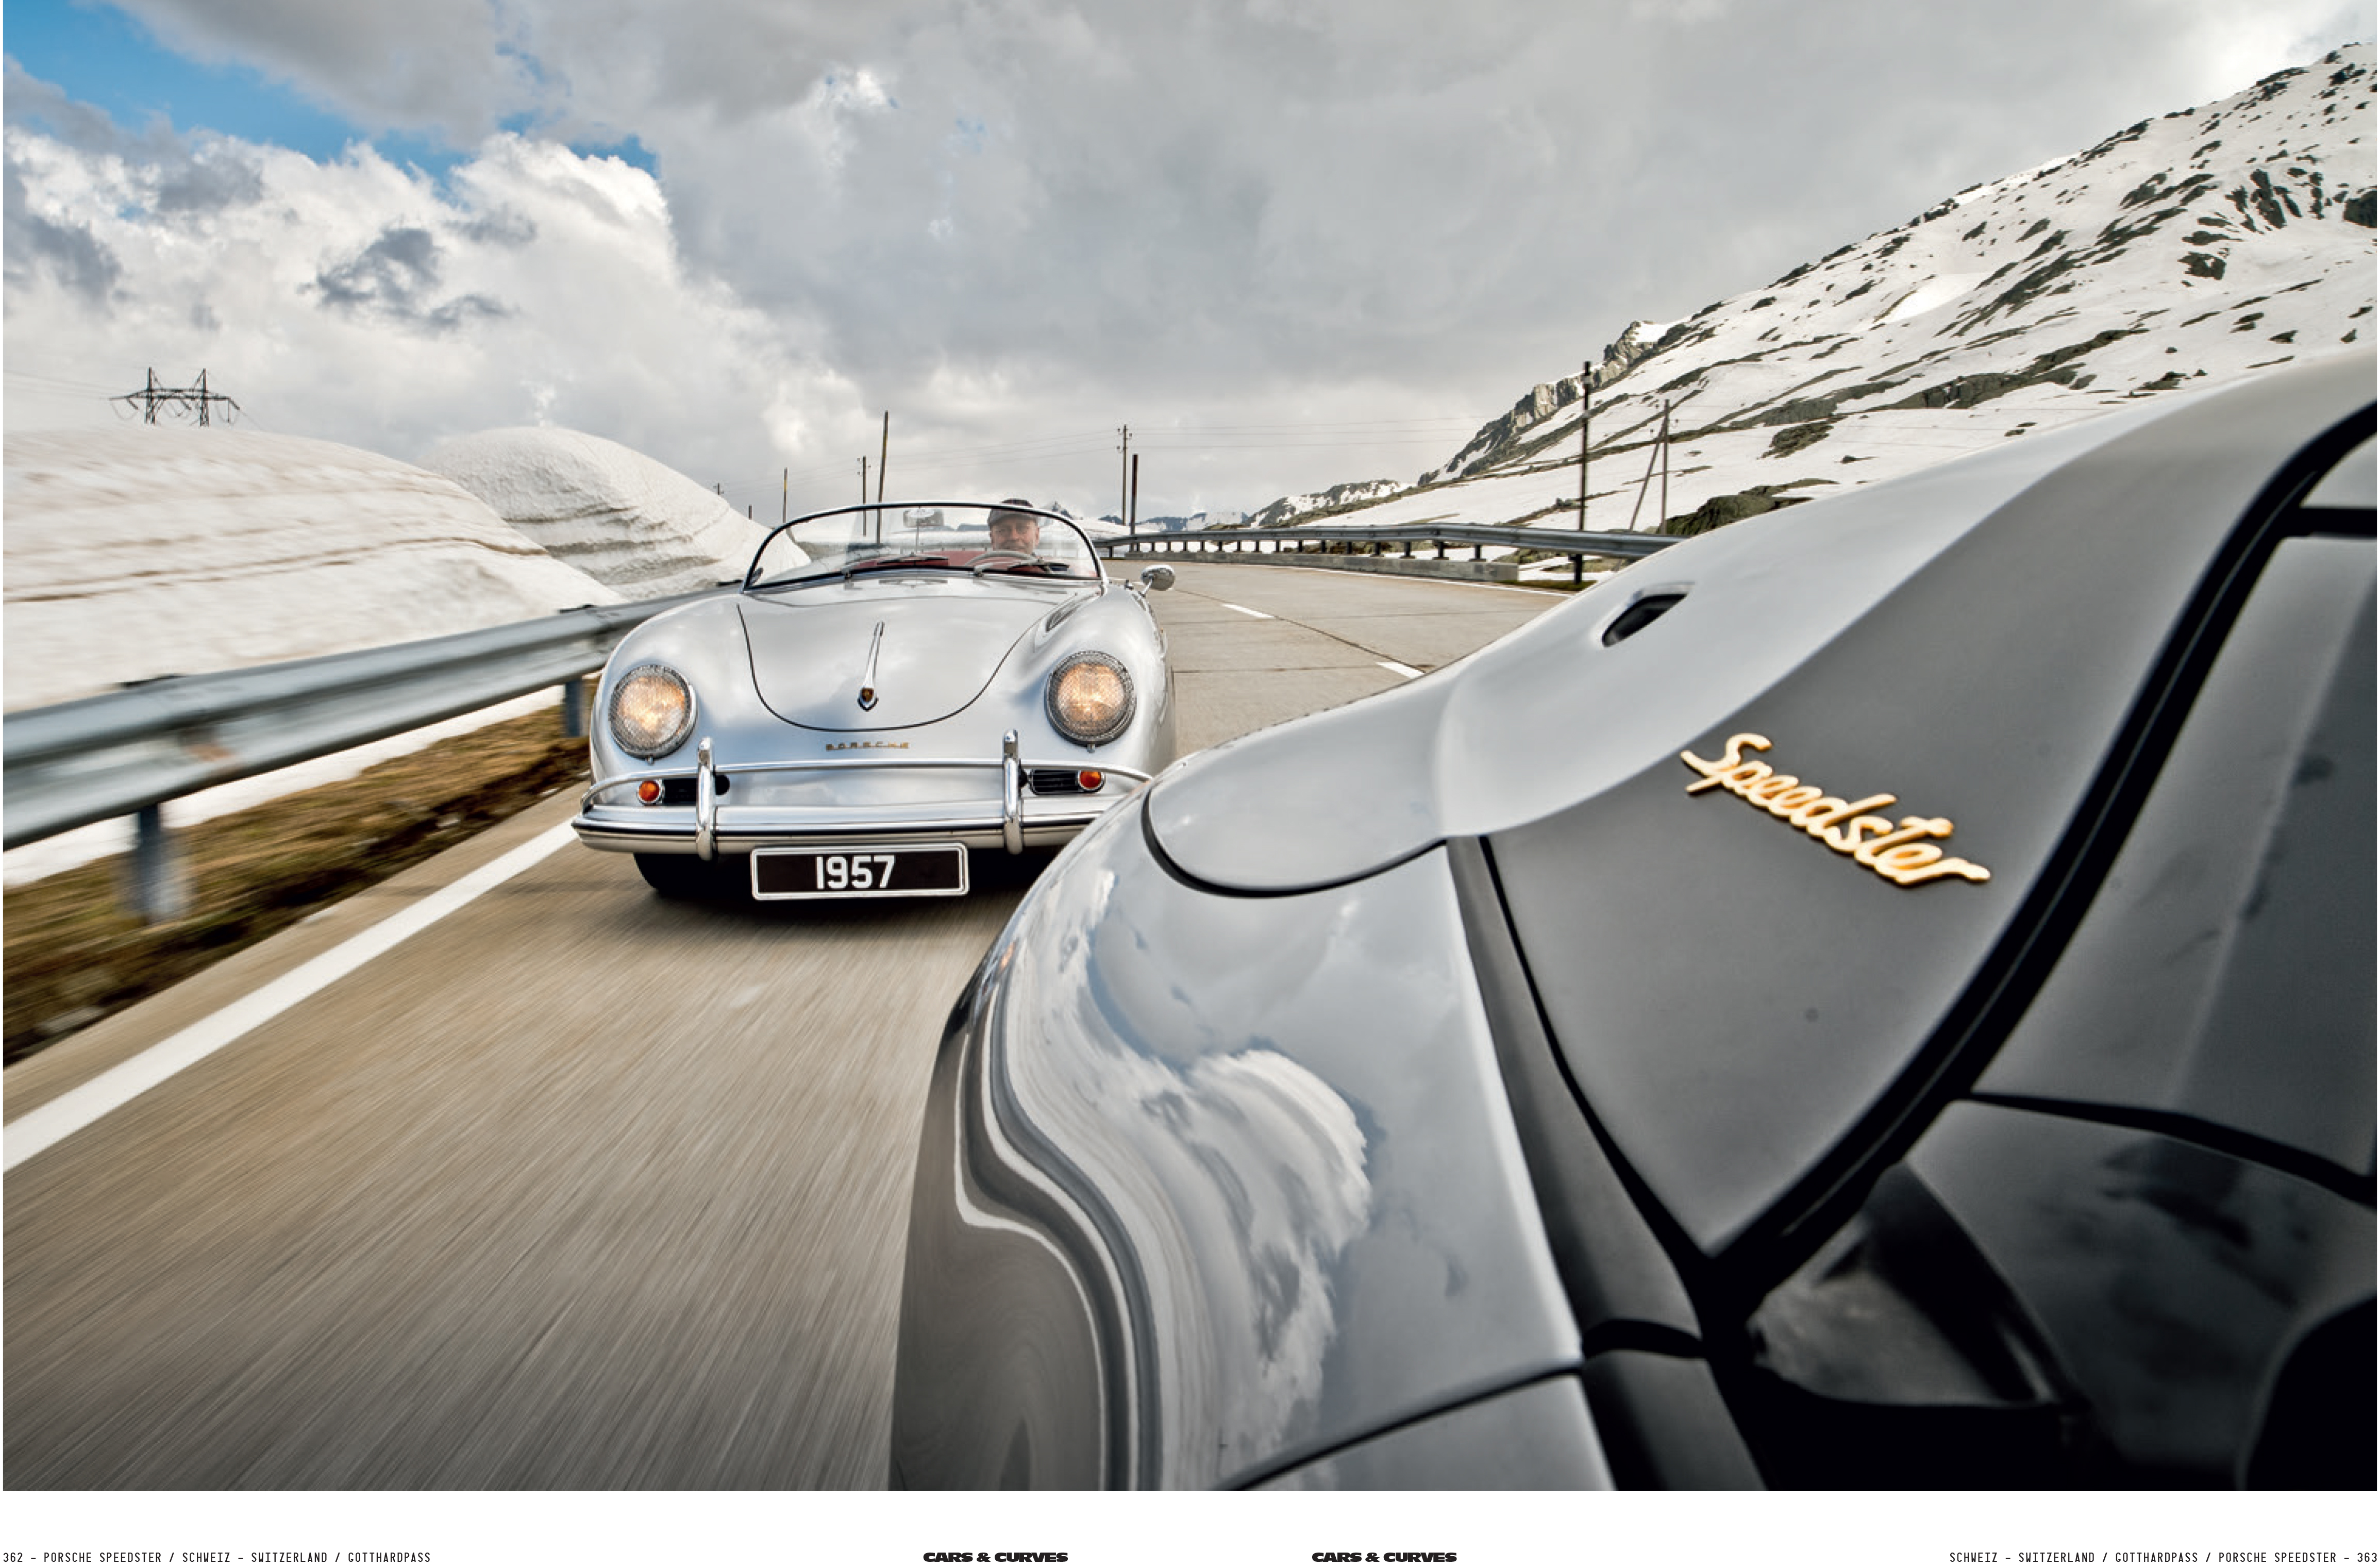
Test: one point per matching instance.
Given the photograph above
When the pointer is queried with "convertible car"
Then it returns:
(891, 687)
(1877, 995)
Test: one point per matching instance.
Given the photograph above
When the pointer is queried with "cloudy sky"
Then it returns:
(1288, 242)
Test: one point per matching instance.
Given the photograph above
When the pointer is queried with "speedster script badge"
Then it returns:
(1895, 851)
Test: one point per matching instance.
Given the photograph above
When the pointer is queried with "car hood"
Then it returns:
(1550, 715)
(1973, 654)
(940, 644)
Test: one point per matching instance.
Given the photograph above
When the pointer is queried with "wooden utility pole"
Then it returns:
(1124, 437)
(863, 481)
(1586, 385)
(1585, 390)
(1132, 506)
(1665, 463)
(883, 450)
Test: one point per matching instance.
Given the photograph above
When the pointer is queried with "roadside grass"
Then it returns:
(73, 955)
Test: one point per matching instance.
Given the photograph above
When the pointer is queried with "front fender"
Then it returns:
(1186, 1230)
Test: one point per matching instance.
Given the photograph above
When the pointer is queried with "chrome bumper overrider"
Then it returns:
(711, 828)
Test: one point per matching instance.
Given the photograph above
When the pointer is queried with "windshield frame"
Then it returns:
(891, 512)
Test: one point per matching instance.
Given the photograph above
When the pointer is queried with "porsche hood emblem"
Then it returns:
(1896, 851)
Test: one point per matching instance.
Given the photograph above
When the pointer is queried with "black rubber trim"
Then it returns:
(2019, 962)
(2354, 1185)
(2337, 522)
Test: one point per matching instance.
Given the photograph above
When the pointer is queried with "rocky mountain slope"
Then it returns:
(2212, 243)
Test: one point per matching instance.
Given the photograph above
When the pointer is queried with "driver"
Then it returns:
(1015, 531)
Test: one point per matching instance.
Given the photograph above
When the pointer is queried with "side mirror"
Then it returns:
(1157, 578)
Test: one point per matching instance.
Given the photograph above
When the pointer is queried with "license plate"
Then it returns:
(861, 871)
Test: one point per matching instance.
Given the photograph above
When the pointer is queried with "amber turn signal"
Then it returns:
(650, 790)
(1091, 778)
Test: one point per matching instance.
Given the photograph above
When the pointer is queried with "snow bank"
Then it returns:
(148, 550)
(614, 513)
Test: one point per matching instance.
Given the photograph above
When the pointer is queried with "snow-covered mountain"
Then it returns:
(614, 513)
(2182, 251)
(1221, 519)
(1338, 498)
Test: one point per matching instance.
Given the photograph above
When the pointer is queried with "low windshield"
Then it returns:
(963, 538)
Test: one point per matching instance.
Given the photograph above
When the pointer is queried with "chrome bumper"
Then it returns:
(711, 829)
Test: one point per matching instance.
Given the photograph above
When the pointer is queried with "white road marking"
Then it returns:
(77, 1108)
(1408, 671)
(1244, 610)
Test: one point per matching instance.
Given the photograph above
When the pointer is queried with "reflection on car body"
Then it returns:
(1901, 1015)
(892, 688)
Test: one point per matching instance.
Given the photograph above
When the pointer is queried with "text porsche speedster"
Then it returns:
(893, 688)
(1880, 994)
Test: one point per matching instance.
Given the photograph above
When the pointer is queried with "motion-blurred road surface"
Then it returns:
(575, 1188)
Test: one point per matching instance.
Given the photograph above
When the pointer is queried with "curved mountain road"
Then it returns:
(573, 1188)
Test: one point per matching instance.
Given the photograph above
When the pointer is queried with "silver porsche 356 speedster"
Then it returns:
(892, 688)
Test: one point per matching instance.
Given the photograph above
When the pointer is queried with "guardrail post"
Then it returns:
(153, 883)
(574, 709)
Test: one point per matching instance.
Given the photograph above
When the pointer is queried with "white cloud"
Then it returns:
(827, 115)
(1146, 211)
(368, 304)
(446, 64)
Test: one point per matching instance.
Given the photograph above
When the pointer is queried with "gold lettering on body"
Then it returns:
(1892, 849)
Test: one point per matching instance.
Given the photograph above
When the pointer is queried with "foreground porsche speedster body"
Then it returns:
(893, 689)
(1881, 994)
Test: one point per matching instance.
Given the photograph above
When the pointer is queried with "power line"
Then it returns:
(1079, 444)
(90, 388)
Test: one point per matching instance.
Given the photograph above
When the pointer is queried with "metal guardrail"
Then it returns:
(126, 753)
(1549, 540)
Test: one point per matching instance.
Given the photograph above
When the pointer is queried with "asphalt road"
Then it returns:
(574, 1188)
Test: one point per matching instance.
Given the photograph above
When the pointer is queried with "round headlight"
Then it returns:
(652, 710)
(1090, 698)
